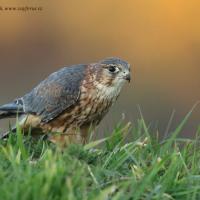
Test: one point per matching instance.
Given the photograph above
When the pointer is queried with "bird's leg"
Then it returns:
(85, 132)
(72, 135)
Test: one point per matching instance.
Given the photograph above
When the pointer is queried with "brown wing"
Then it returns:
(55, 94)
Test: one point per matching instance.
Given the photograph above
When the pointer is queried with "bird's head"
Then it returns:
(111, 74)
(115, 69)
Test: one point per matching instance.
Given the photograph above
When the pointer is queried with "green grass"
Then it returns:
(140, 167)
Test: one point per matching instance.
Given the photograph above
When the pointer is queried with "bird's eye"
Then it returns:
(113, 69)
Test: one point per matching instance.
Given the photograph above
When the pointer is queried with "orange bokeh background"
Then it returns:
(160, 39)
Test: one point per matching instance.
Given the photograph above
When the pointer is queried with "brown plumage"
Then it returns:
(71, 101)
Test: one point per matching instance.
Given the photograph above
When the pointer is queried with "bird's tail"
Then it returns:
(10, 110)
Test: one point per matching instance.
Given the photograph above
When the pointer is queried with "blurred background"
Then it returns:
(160, 39)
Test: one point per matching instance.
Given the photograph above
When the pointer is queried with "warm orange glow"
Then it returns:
(160, 38)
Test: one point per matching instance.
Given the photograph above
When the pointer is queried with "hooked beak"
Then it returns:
(128, 77)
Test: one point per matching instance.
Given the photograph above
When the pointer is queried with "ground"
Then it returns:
(131, 163)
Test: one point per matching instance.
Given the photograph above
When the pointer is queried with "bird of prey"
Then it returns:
(71, 101)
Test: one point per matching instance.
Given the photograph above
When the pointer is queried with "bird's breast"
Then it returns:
(95, 103)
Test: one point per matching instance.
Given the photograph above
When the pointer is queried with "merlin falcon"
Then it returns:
(71, 102)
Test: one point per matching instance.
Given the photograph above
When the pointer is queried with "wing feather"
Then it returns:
(55, 94)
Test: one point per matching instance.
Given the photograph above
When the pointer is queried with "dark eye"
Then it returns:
(112, 68)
